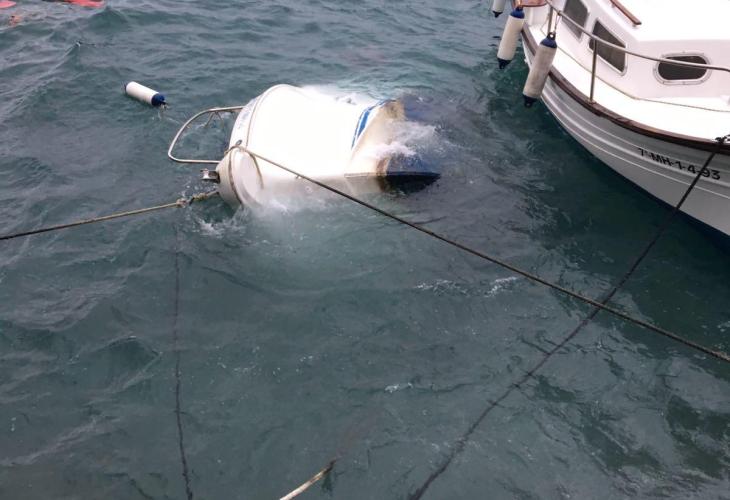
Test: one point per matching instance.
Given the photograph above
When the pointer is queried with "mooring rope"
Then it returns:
(308, 484)
(597, 306)
(495, 260)
(180, 203)
(463, 439)
(461, 442)
(178, 378)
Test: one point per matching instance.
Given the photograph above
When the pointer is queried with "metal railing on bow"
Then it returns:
(212, 112)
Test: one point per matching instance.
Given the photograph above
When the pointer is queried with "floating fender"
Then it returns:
(510, 37)
(144, 94)
(541, 64)
(498, 7)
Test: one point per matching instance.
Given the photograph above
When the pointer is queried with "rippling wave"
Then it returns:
(322, 331)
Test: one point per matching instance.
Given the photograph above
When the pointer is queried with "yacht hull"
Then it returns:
(663, 168)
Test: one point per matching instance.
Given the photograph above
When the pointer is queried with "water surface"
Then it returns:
(319, 331)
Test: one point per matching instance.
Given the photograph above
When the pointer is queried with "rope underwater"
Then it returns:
(530, 276)
(597, 306)
(178, 378)
(180, 203)
(464, 438)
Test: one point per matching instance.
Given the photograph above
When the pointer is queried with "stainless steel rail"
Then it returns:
(214, 111)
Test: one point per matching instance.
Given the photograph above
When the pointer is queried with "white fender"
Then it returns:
(541, 64)
(510, 37)
(144, 94)
(498, 7)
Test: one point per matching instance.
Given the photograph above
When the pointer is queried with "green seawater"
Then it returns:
(322, 330)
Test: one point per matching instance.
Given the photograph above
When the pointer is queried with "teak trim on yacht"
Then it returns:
(682, 140)
(626, 12)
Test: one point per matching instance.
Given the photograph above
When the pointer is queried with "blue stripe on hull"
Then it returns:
(363, 121)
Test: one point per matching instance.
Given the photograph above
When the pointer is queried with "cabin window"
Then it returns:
(576, 11)
(612, 56)
(670, 73)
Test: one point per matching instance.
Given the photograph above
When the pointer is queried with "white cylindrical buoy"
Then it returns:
(498, 7)
(144, 94)
(510, 37)
(541, 64)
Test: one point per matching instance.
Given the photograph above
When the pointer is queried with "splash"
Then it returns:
(442, 286)
(500, 284)
(409, 138)
(398, 387)
(342, 95)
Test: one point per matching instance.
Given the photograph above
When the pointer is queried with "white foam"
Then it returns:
(338, 94)
(499, 284)
(398, 387)
(409, 139)
(447, 286)
(227, 226)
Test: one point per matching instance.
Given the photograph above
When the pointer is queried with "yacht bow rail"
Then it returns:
(560, 13)
(212, 112)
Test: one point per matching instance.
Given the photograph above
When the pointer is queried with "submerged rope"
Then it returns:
(597, 306)
(461, 442)
(178, 379)
(532, 277)
(180, 203)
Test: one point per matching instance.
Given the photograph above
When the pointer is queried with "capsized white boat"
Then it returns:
(629, 103)
(338, 142)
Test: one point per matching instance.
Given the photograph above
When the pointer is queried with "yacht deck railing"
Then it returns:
(597, 39)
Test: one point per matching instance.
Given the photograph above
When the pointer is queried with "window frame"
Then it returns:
(579, 34)
(694, 81)
(626, 58)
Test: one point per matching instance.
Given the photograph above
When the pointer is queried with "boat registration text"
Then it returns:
(681, 165)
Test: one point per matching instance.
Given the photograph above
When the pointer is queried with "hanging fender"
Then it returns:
(498, 7)
(510, 37)
(541, 64)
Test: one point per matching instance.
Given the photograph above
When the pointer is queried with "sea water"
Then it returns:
(324, 331)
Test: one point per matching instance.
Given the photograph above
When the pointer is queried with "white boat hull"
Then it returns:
(339, 143)
(662, 168)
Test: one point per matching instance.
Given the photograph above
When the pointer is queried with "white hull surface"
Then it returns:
(338, 143)
(663, 169)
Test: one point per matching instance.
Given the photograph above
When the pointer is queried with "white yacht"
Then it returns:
(652, 121)
(289, 135)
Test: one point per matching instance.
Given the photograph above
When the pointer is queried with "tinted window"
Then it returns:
(575, 10)
(672, 72)
(614, 57)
